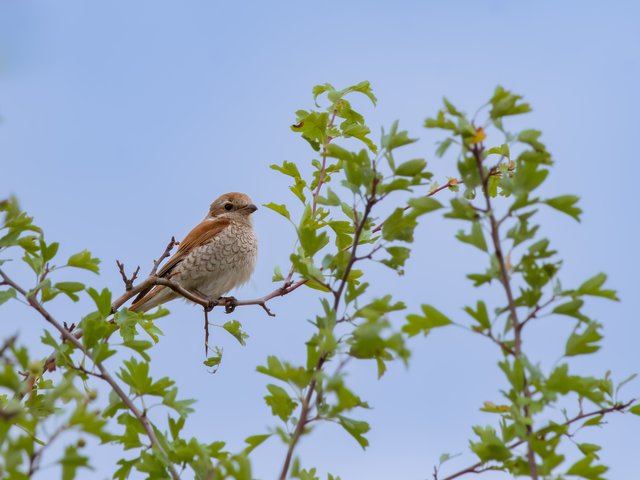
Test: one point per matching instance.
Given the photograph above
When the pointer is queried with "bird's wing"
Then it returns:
(201, 234)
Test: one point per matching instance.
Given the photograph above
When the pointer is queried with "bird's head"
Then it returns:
(233, 205)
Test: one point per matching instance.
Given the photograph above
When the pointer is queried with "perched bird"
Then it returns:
(219, 254)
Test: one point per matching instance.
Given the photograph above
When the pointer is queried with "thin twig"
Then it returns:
(451, 183)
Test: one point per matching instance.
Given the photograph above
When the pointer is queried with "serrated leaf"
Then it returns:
(281, 209)
(592, 287)
(254, 441)
(84, 260)
(356, 429)
(565, 204)
(282, 405)
(234, 327)
(432, 318)
(475, 237)
(585, 342)
(6, 295)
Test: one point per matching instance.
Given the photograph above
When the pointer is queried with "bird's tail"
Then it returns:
(156, 296)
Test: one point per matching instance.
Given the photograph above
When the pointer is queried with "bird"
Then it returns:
(217, 255)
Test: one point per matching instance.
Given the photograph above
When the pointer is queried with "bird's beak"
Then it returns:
(251, 208)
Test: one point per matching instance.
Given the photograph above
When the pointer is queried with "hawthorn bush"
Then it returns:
(340, 230)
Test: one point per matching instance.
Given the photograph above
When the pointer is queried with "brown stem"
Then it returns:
(304, 419)
(104, 373)
(477, 150)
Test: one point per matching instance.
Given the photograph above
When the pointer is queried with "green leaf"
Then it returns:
(395, 139)
(234, 327)
(6, 295)
(320, 89)
(432, 318)
(506, 103)
(572, 309)
(254, 441)
(411, 168)
(489, 447)
(288, 168)
(102, 300)
(399, 226)
(584, 468)
(399, 255)
(356, 429)
(48, 252)
(592, 287)
(635, 409)
(502, 150)
(565, 204)
(451, 110)
(84, 260)
(589, 449)
(285, 372)
(71, 461)
(277, 274)
(281, 209)
(480, 314)
(443, 147)
(214, 361)
(475, 238)
(530, 137)
(70, 286)
(422, 205)
(585, 342)
(282, 405)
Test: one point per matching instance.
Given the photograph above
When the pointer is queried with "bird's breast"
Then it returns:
(225, 262)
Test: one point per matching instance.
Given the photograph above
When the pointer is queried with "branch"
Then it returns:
(304, 418)
(536, 310)
(477, 150)
(104, 373)
(479, 466)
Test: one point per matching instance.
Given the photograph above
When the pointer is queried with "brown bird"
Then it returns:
(219, 254)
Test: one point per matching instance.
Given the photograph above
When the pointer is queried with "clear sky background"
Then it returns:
(123, 120)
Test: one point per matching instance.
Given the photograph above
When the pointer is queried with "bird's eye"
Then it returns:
(228, 206)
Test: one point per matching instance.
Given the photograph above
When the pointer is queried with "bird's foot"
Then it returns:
(211, 305)
(230, 303)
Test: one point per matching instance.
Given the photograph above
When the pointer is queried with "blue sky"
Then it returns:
(122, 121)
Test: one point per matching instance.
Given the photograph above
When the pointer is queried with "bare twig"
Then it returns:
(128, 282)
(167, 251)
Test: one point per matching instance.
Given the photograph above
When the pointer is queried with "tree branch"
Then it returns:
(477, 150)
(479, 466)
(104, 373)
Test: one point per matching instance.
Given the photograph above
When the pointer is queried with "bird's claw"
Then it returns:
(211, 305)
(230, 303)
